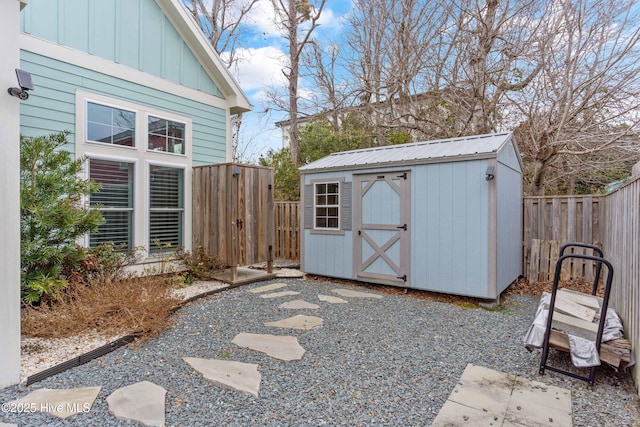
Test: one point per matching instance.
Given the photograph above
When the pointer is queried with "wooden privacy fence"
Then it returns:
(549, 223)
(287, 230)
(621, 229)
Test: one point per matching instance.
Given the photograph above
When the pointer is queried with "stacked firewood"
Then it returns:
(578, 314)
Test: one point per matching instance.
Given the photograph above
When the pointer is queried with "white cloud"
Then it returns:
(262, 17)
(260, 67)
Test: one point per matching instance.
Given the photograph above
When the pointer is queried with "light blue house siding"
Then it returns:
(51, 107)
(135, 33)
(463, 228)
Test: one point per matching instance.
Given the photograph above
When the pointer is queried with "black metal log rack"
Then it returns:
(599, 260)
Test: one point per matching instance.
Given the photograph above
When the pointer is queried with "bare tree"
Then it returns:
(331, 94)
(389, 41)
(221, 21)
(487, 50)
(586, 100)
(297, 19)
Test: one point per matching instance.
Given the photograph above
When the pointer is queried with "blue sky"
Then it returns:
(263, 56)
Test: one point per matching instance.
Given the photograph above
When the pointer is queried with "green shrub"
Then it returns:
(52, 213)
(44, 289)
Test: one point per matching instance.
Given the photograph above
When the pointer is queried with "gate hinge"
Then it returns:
(403, 277)
(403, 176)
(403, 226)
(359, 232)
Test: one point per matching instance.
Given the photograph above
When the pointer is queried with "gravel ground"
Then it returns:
(391, 361)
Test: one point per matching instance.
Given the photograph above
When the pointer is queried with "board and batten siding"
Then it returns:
(328, 254)
(51, 106)
(449, 222)
(135, 33)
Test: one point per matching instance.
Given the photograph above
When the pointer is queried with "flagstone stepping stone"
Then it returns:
(62, 403)
(8, 425)
(298, 322)
(299, 304)
(355, 294)
(142, 402)
(280, 294)
(279, 347)
(266, 288)
(239, 376)
(331, 300)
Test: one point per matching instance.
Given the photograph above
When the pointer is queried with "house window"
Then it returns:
(114, 200)
(142, 157)
(166, 135)
(110, 125)
(327, 206)
(166, 208)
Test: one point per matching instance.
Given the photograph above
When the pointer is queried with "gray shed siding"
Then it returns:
(449, 227)
(327, 254)
(509, 249)
(465, 231)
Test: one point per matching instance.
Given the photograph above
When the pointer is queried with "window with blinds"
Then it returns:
(166, 208)
(115, 202)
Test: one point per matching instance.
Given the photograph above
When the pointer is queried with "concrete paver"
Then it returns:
(486, 397)
(239, 376)
(455, 414)
(277, 346)
(143, 402)
(279, 294)
(265, 288)
(524, 412)
(477, 397)
(487, 378)
(62, 403)
(299, 304)
(349, 293)
(298, 322)
(331, 300)
(542, 394)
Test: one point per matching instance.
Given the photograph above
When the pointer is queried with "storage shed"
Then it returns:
(443, 216)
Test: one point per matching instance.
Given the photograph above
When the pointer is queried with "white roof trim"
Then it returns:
(200, 46)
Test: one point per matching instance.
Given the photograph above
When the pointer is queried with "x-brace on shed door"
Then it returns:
(382, 232)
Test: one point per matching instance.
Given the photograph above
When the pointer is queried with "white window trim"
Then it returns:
(164, 116)
(86, 140)
(142, 159)
(136, 174)
(339, 205)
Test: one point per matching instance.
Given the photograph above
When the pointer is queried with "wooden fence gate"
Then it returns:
(233, 212)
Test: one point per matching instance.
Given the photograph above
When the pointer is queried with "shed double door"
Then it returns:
(382, 229)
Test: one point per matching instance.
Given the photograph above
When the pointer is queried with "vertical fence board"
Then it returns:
(233, 212)
(560, 219)
(621, 217)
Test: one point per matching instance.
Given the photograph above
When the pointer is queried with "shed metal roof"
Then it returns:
(445, 150)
